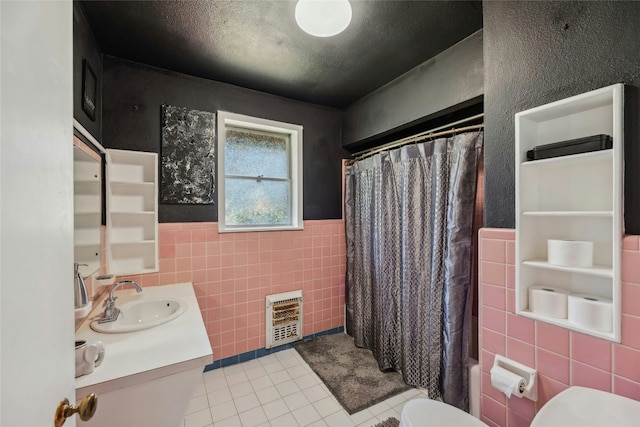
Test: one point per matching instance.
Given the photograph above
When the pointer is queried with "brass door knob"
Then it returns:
(85, 409)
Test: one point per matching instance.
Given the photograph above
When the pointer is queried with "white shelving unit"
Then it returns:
(575, 197)
(87, 208)
(132, 212)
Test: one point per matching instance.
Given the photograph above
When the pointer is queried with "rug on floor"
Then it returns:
(389, 422)
(351, 373)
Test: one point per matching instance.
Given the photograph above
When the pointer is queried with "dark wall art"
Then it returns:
(89, 90)
(188, 156)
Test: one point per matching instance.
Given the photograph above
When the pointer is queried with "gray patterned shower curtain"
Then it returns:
(408, 217)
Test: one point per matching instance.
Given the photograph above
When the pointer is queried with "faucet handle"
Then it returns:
(108, 303)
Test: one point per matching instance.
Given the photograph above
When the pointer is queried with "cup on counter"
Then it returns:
(89, 355)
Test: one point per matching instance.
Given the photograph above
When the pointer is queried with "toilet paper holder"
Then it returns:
(530, 390)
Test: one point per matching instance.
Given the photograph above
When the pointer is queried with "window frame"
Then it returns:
(226, 119)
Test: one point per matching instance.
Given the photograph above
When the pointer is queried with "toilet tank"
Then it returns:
(474, 388)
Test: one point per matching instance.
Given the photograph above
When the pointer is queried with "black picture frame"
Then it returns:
(89, 89)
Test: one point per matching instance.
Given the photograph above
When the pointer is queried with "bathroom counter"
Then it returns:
(137, 357)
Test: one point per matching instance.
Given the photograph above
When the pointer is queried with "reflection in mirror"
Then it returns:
(87, 205)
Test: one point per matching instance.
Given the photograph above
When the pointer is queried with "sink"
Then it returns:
(143, 314)
(158, 368)
(581, 406)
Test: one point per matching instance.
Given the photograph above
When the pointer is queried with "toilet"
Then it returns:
(576, 406)
(427, 412)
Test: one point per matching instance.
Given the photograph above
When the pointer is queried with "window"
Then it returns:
(259, 174)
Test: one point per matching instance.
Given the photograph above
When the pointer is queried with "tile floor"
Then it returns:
(279, 390)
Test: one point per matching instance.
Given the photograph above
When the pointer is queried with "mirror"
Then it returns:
(87, 207)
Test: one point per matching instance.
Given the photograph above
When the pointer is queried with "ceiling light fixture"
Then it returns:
(323, 18)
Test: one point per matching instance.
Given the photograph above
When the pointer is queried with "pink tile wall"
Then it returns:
(563, 358)
(233, 272)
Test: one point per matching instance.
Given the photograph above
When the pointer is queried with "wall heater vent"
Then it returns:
(284, 318)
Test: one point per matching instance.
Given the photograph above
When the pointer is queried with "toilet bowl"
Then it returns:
(575, 406)
(427, 412)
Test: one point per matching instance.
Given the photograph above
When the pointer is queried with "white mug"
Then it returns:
(89, 355)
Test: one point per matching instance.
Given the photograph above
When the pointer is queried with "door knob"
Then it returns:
(85, 409)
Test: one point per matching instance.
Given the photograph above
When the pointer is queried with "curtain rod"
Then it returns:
(431, 133)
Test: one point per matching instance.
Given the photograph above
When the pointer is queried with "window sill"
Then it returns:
(222, 229)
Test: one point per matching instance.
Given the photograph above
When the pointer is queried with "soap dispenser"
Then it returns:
(82, 303)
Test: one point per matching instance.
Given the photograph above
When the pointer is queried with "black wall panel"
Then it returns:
(85, 48)
(539, 52)
(134, 93)
(450, 81)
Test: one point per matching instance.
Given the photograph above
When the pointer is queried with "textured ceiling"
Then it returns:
(257, 44)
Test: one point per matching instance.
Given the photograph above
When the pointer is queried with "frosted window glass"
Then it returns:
(248, 153)
(249, 202)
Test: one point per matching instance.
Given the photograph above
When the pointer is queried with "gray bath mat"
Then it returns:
(389, 422)
(351, 373)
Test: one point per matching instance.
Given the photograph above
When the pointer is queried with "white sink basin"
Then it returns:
(583, 407)
(143, 314)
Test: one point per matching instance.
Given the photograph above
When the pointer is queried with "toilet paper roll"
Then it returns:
(507, 382)
(591, 312)
(548, 301)
(570, 253)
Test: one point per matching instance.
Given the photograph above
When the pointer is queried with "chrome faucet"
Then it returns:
(81, 296)
(111, 312)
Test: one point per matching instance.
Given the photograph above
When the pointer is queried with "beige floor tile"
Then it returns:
(279, 390)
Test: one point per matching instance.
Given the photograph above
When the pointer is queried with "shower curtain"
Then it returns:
(408, 222)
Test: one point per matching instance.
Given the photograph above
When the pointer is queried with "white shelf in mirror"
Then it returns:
(87, 205)
(572, 197)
